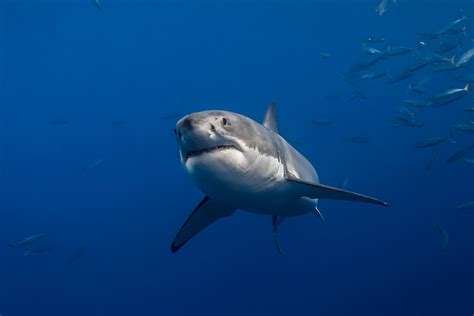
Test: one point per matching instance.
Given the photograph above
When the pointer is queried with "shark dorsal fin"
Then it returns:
(269, 121)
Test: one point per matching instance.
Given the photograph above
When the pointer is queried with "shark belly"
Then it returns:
(248, 181)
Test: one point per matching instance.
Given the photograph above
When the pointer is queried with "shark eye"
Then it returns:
(225, 121)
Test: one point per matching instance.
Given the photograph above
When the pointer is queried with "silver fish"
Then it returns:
(419, 87)
(383, 6)
(465, 127)
(466, 206)
(444, 235)
(403, 121)
(448, 96)
(465, 58)
(430, 142)
(370, 50)
(395, 51)
(28, 240)
(373, 75)
(460, 154)
(325, 55)
(469, 161)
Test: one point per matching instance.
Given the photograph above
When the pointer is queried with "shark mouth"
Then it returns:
(195, 153)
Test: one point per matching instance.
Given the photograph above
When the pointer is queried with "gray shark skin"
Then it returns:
(241, 164)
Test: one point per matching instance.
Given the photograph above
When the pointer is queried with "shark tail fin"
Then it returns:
(312, 190)
(206, 213)
(12, 244)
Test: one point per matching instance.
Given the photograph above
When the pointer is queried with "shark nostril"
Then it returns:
(187, 123)
(213, 128)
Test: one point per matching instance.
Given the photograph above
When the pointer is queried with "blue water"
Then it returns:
(112, 225)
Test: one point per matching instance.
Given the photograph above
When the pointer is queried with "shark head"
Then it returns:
(226, 152)
(207, 133)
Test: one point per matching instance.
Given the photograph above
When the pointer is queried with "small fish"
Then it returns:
(438, 60)
(370, 50)
(444, 235)
(325, 55)
(357, 140)
(383, 6)
(365, 64)
(466, 206)
(429, 35)
(403, 121)
(445, 67)
(448, 96)
(95, 164)
(97, 4)
(447, 47)
(171, 116)
(456, 27)
(416, 103)
(58, 122)
(465, 58)
(400, 77)
(28, 240)
(419, 87)
(322, 122)
(396, 51)
(420, 63)
(465, 127)
(469, 161)
(373, 75)
(460, 154)
(375, 39)
(407, 111)
(38, 249)
(430, 142)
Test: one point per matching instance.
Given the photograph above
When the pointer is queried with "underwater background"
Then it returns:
(89, 96)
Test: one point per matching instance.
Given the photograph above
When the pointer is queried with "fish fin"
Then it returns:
(466, 87)
(27, 252)
(269, 120)
(276, 221)
(207, 212)
(318, 213)
(320, 191)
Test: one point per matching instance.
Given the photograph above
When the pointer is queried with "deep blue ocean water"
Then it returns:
(109, 190)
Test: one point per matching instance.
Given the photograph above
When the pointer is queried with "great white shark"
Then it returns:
(241, 164)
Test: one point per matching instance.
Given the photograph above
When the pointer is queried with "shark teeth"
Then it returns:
(199, 152)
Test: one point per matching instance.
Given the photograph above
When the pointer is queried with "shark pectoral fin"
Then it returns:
(207, 212)
(276, 221)
(320, 191)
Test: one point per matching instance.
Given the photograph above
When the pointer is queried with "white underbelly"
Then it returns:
(248, 181)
